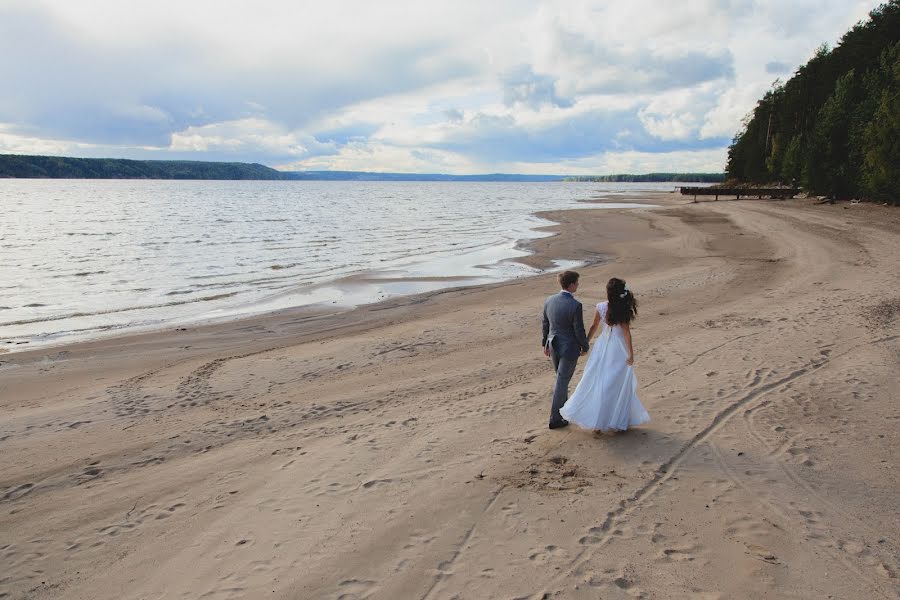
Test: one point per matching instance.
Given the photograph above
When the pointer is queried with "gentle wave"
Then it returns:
(115, 311)
(131, 254)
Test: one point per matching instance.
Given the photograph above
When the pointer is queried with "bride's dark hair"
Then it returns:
(622, 303)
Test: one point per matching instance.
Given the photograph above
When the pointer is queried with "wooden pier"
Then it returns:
(774, 193)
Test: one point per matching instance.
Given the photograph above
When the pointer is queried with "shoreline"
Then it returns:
(360, 289)
(401, 449)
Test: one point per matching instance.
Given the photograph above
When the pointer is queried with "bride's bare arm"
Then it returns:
(594, 326)
(626, 331)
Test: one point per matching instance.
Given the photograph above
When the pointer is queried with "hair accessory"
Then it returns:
(624, 293)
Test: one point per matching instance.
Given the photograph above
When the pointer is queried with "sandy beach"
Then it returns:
(401, 450)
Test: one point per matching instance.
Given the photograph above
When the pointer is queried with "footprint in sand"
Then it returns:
(546, 554)
(746, 527)
(376, 482)
(680, 553)
(761, 553)
(617, 581)
(418, 538)
(18, 491)
(165, 514)
(87, 474)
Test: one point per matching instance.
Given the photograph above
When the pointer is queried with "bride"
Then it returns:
(606, 397)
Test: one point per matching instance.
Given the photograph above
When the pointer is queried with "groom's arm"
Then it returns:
(545, 328)
(578, 326)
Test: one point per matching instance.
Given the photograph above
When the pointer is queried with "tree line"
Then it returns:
(61, 167)
(680, 177)
(834, 126)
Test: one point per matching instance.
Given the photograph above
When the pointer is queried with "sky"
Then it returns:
(570, 87)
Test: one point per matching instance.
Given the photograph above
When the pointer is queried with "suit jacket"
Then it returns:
(563, 325)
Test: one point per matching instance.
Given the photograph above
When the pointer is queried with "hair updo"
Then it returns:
(622, 303)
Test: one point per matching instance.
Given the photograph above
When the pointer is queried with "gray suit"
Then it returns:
(563, 333)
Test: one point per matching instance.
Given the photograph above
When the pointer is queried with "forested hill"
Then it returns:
(58, 167)
(680, 177)
(834, 127)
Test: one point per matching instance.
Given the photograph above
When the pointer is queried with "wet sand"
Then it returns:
(400, 450)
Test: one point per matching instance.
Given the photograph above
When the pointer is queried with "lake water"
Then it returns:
(83, 258)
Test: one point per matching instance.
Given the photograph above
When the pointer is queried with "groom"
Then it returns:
(564, 340)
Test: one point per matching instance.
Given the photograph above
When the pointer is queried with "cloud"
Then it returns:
(454, 115)
(523, 86)
(245, 138)
(344, 134)
(563, 135)
(777, 67)
(379, 157)
(142, 92)
(640, 70)
(685, 161)
(679, 115)
(405, 85)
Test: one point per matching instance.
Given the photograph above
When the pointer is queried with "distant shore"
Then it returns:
(17, 166)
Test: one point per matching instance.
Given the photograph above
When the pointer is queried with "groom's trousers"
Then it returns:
(565, 368)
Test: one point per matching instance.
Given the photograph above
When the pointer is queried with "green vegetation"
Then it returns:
(834, 127)
(681, 177)
(58, 167)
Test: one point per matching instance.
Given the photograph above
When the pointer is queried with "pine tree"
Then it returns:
(881, 163)
(833, 126)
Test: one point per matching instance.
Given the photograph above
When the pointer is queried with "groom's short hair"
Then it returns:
(567, 278)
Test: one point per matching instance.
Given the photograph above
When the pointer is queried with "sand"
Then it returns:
(401, 450)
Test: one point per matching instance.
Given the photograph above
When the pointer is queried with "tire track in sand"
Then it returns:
(603, 533)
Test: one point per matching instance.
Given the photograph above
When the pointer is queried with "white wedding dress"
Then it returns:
(606, 397)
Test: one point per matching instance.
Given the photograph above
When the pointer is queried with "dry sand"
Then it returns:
(401, 451)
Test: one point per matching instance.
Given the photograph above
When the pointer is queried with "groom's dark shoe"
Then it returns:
(559, 424)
